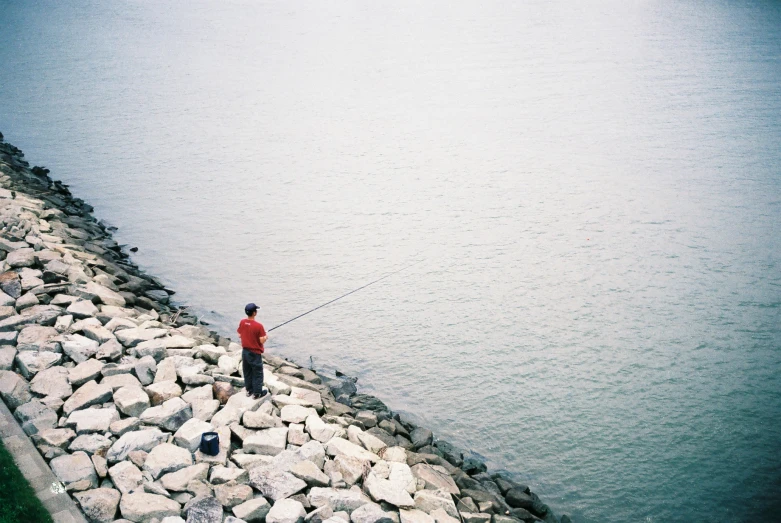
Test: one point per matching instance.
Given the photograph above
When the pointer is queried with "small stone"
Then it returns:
(371, 513)
(31, 363)
(274, 483)
(145, 369)
(88, 421)
(231, 495)
(160, 392)
(90, 444)
(34, 417)
(178, 481)
(100, 464)
(126, 477)
(310, 473)
(144, 440)
(14, 390)
(82, 309)
(203, 509)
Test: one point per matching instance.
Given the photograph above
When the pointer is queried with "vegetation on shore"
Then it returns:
(17, 498)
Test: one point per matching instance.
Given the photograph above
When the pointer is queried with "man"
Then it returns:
(253, 336)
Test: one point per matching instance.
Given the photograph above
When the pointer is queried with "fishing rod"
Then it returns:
(344, 295)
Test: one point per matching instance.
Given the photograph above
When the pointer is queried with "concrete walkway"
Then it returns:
(46, 486)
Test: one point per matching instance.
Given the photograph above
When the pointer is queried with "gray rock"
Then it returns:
(6, 300)
(75, 471)
(415, 516)
(31, 363)
(286, 511)
(167, 458)
(166, 371)
(144, 440)
(100, 464)
(269, 442)
(59, 438)
(84, 372)
(400, 475)
(342, 447)
(98, 333)
(99, 505)
(189, 434)
(120, 380)
(296, 435)
(110, 350)
(430, 500)
(153, 348)
(119, 428)
(221, 458)
(104, 295)
(160, 392)
(367, 417)
(371, 513)
(78, 348)
(82, 309)
(14, 390)
(26, 300)
(252, 511)
(367, 441)
(145, 370)
(92, 420)
(338, 499)
(310, 473)
(88, 394)
(132, 337)
(52, 382)
(230, 495)
(142, 507)
(90, 444)
(220, 475)
(126, 477)
(35, 417)
(203, 509)
(205, 409)
(296, 413)
(24, 257)
(171, 415)
(435, 477)
(274, 483)
(351, 469)
(38, 338)
(261, 420)
(7, 355)
(178, 481)
(131, 401)
(421, 437)
(475, 517)
(384, 490)
(7, 311)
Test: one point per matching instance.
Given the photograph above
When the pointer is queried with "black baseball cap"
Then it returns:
(250, 308)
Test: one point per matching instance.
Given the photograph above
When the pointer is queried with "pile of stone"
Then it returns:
(115, 387)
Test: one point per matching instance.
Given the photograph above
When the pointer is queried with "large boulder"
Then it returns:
(92, 420)
(142, 507)
(229, 495)
(371, 513)
(275, 484)
(75, 471)
(81, 309)
(435, 477)
(342, 447)
(14, 390)
(310, 473)
(286, 511)
(261, 420)
(103, 294)
(132, 337)
(170, 416)
(52, 382)
(144, 440)
(99, 505)
(384, 490)
(269, 442)
(296, 413)
(7, 356)
(430, 500)
(167, 458)
(160, 392)
(90, 444)
(91, 393)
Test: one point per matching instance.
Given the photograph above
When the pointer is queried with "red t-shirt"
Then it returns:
(250, 333)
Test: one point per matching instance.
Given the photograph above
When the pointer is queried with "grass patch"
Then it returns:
(17, 498)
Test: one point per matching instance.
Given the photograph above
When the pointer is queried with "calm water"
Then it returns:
(593, 189)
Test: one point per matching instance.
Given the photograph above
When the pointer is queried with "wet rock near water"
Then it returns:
(116, 386)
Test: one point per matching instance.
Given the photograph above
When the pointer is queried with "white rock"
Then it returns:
(105, 295)
(98, 333)
(38, 338)
(131, 401)
(75, 471)
(31, 363)
(415, 516)
(144, 440)
(126, 477)
(92, 420)
(166, 371)
(230, 495)
(384, 490)
(435, 477)
(260, 420)
(82, 309)
(286, 511)
(160, 392)
(397, 454)
(167, 458)
(52, 382)
(296, 413)
(132, 337)
(189, 434)
(90, 444)
(371, 513)
(269, 442)
(84, 372)
(345, 500)
(252, 511)
(402, 478)
(430, 500)
(88, 394)
(320, 430)
(111, 350)
(170, 415)
(310, 473)
(140, 506)
(99, 505)
(342, 447)
(274, 483)
(178, 481)
(77, 347)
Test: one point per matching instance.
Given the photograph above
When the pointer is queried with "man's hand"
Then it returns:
(263, 339)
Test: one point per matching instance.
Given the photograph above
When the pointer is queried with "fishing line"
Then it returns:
(346, 294)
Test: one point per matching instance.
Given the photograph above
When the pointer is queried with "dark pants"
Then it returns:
(252, 365)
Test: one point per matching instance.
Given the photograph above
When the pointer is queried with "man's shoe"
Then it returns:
(248, 392)
(258, 396)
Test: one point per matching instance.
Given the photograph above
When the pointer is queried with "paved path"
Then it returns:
(46, 486)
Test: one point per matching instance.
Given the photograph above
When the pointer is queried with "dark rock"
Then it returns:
(342, 388)
(450, 452)
(421, 437)
(466, 504)
(473, 466)
(368, 402)
(382, 436)
(203, 509)
(525, 515)
(430, 449)
(11, 284)
(466, 482)
(517, 498)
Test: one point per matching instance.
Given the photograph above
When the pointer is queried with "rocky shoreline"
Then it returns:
(115, 386)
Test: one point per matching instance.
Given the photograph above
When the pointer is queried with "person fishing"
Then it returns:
(253, 336)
